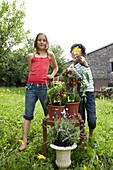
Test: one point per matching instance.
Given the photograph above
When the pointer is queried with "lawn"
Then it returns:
(11, 127)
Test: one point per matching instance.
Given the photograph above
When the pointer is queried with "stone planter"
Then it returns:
(63, 155)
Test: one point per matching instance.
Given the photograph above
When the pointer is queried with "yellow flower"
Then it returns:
(76, 50)
(41, 157)
(21, 141)
(84, 168)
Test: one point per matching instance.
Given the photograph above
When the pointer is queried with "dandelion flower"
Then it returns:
(84, 168)
(21, 141)
(76, 50)
(41, 157)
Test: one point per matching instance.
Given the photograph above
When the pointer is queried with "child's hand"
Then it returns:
(49, 76)
(82, 60)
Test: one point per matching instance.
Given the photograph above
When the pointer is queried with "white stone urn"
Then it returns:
(63, 155)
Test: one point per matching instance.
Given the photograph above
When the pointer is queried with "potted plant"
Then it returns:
(63, 137)
(64, 133)
(73, 83)
(66, 94)
(56, 98)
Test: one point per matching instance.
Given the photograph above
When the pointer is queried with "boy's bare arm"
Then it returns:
(59, 78)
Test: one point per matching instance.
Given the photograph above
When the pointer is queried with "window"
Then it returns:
(110, 66)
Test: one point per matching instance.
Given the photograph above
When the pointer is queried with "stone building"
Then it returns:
(101, 64)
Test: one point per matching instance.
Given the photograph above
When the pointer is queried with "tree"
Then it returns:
(12, 39)
(15, 45)
(58, 51)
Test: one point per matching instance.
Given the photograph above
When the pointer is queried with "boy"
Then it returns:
(80, 64)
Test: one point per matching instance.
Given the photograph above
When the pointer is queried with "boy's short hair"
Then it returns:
(83, 49)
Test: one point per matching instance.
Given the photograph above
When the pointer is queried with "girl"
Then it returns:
(38, 64)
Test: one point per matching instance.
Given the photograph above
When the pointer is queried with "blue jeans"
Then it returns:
(90, 108)
(33, 93)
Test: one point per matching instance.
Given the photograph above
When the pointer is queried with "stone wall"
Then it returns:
(99, 64)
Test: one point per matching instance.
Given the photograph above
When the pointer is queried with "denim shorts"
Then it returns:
(90, 108)
(33, 93)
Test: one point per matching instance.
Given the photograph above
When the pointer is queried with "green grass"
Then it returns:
(11, 128)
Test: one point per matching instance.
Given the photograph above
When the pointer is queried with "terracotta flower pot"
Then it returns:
(55, 111)
(72, 107)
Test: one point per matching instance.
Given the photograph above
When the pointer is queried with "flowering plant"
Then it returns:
(65, 132)
(56, 94)
(68, 91)
(73, 82)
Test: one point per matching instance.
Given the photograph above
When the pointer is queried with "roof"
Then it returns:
(100, 48)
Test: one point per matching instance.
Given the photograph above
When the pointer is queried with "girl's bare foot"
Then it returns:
(23, 147)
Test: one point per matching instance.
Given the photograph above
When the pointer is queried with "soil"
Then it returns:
(60, 143)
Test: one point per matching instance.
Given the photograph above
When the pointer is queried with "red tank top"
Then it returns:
(39, 70)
